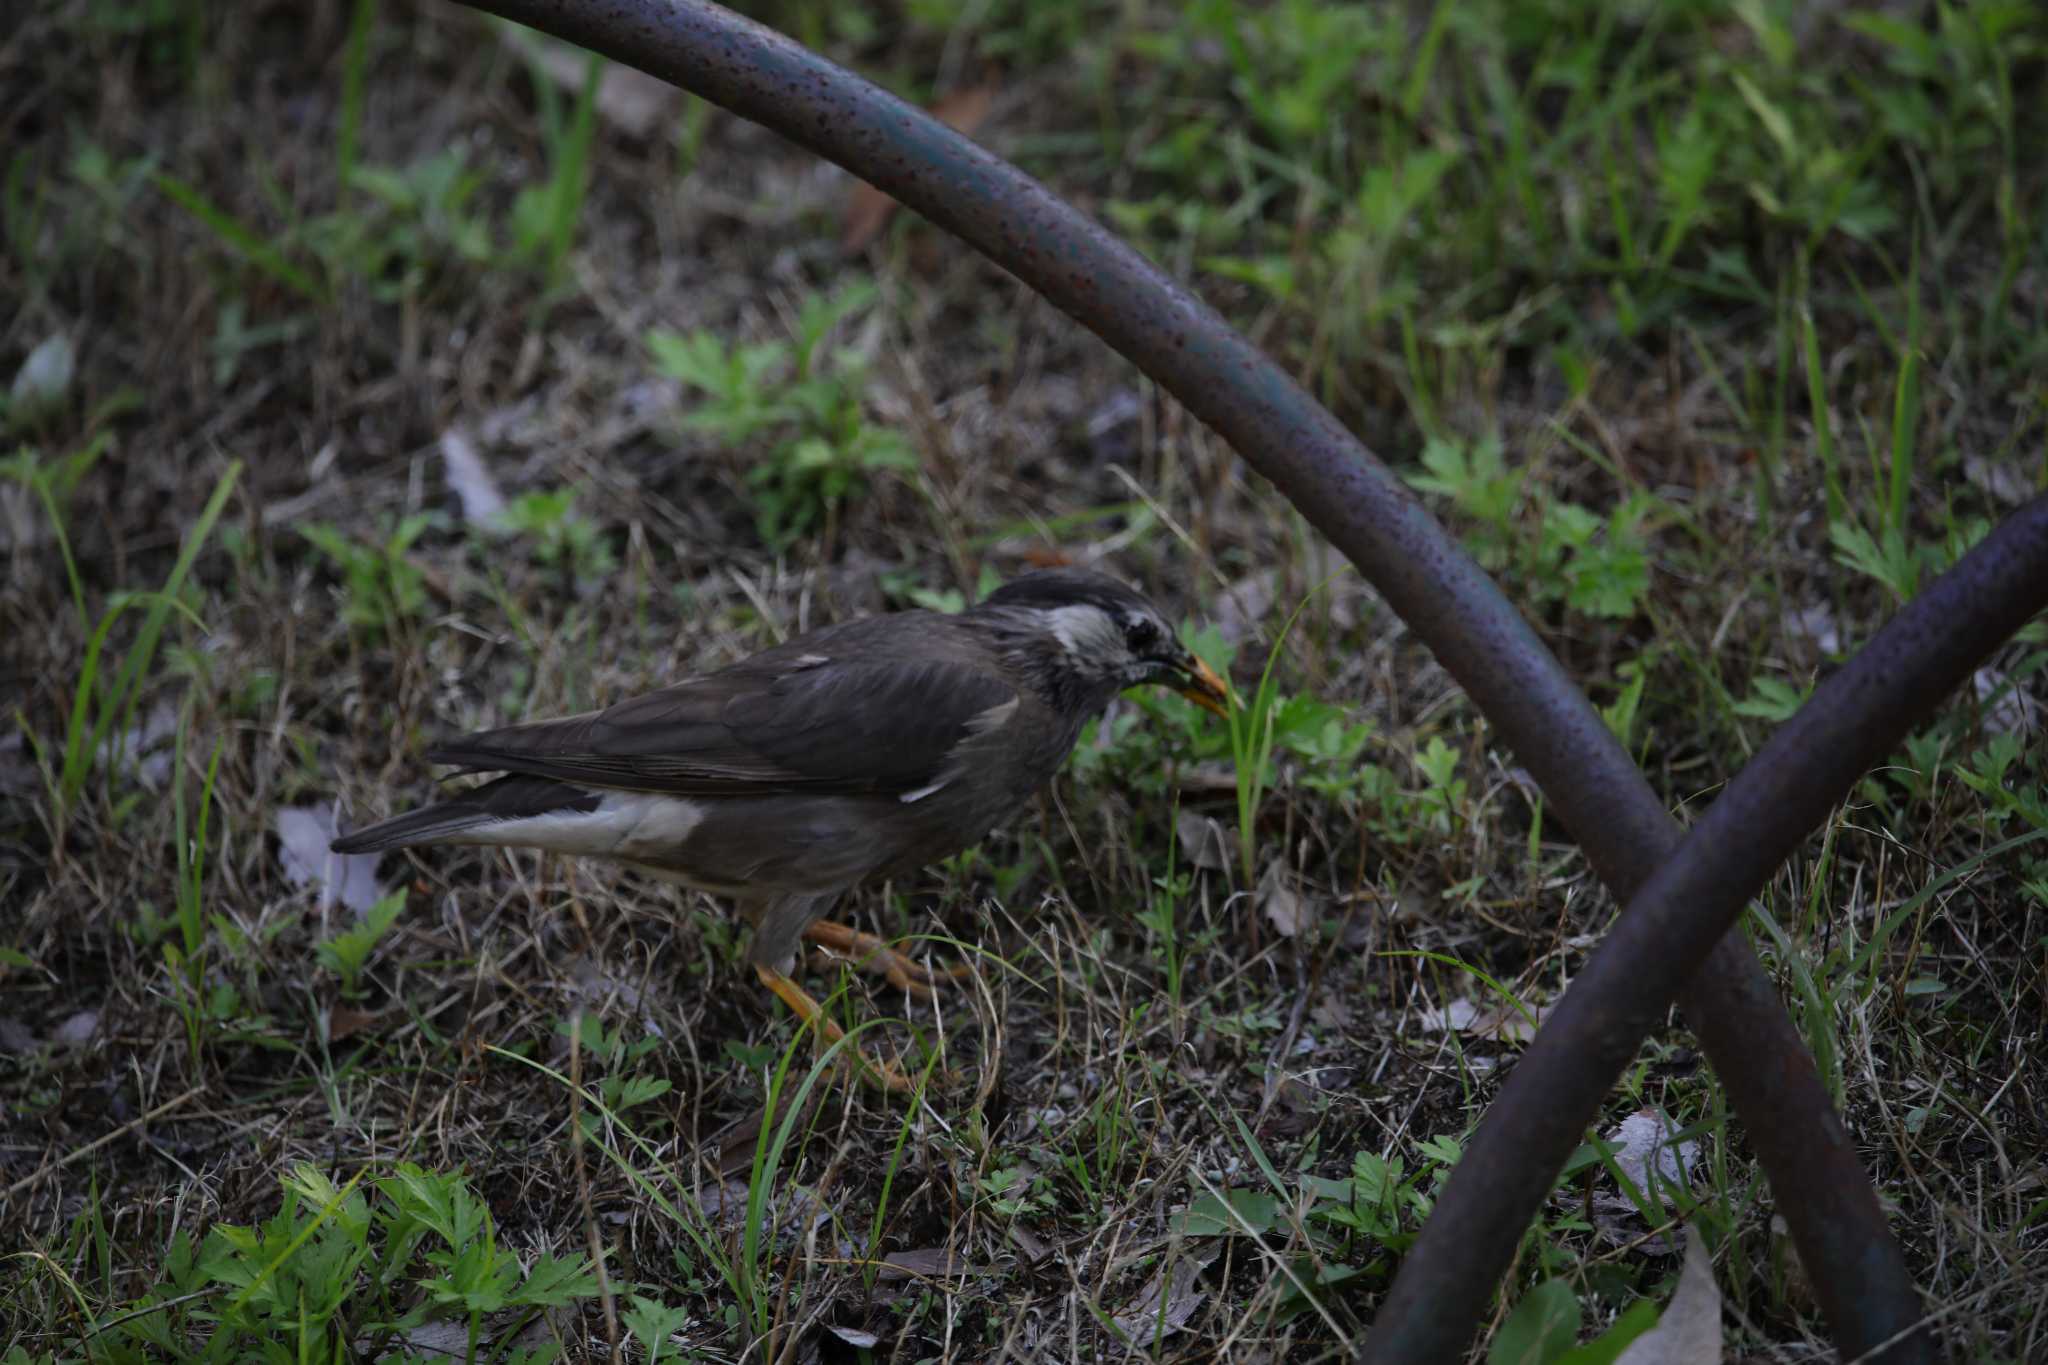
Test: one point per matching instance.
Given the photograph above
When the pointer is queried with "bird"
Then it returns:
(851, 753)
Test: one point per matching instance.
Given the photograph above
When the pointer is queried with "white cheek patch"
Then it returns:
(625, 824)
(1086, 632)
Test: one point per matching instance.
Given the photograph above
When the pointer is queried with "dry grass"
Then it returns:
(163, 1074)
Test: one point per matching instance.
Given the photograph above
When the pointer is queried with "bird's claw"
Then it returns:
(884, 1072)
(873, 954)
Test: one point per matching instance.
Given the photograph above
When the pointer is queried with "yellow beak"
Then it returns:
(1205, 689)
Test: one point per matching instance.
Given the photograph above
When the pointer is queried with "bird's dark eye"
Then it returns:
(1140, 635)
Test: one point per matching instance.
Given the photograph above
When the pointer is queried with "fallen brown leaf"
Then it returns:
(1500, 1020)
(1689, 1332)
(1656, 1164)
(1170, 1298)
(1286, 909)
(303, 834)
(924, 1263)
(344, 1021)
(1204, 842)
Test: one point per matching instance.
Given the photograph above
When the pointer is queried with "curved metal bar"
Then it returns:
(1354, 500)
(1852, 721)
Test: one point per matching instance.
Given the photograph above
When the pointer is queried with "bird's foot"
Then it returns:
(881, 1071)
(872, 954)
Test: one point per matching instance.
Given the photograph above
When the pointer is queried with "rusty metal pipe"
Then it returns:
(1348, 495)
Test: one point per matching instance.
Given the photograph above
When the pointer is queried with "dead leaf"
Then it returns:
(77, 1029)
(1330, 1014)
(1503, 1022)
(149, 746)
(447, 1340)
(868, 209)
(855, 1336)
(1643, 1139)
(2006, 480)
(1170, 1298)
(1214, 777)
(1205, 842)
(15, 1037)
(1817, 624)
(44, 379)
(303, 836)
(1654, 1164)
(482, 503)
(925, 1263)
(2011, 711)
(739, 1143)
(1455, 1017)
(345, 1022)
(1028, 1242)
(627, 98)
(713, 1201)
(1286, 909)
(1689, 1332)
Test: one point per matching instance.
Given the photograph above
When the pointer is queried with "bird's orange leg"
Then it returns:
(880, 1070)
(874, 955)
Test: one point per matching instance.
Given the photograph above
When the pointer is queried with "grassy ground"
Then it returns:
(1714, 328)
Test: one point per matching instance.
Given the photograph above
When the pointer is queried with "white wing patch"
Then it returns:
(995, 718)
(979, 724)
(625, 824)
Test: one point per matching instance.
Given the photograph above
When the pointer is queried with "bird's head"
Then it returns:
(1085, 638)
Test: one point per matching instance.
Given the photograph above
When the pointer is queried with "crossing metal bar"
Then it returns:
(1854, 718)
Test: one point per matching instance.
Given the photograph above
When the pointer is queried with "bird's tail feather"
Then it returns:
(423, 826)
(508, 798)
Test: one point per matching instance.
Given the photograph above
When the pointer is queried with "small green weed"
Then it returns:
(1338, 1230)
(348, 952)
(403, 225)
(100, 736)
(1016, 1191)
(338, 1271)
(382, 589)
(53, 482)
(619, 1089)
(797, 411)
(561, 538)
(187, 958)
(1543, 1329)
(1596, 565)
(545, 216)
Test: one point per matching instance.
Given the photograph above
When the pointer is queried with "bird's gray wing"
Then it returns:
(783, 723)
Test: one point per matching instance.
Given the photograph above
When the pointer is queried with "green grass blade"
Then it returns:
(255, 250)
(355, 64)
(1817, 401)
(119, 702)
(135, 664)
